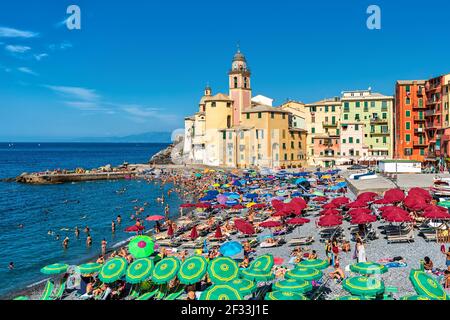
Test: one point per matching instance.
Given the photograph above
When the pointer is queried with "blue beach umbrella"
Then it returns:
(231, 248)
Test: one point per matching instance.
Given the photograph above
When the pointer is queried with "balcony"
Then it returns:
(420, 107)
(420, 92)
(379, 133)
(420, 144)
(329, 124)
(378, 121)
(419, 119)
(432, 113)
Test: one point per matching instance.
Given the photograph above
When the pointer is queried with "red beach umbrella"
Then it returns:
(386, 208)
(359, 211)
(134, 229)
(238, 207)
(437, 215)
(320, 199)
(328, 212)
(259, 206)
(382, 201)
(415, 202)
(357, 204)
(397, 216)
(220, 206)
(155, 218)
(363, 218)
(244, 226)
(270, 224)
(329, 206)
(194, 233)
(340, 201)
(187, 205)
(330, 221)
(298, 221)
(218, 234)
(419, 192)
(203, 205)
(394, 195)
(277, 204)
(170, 230)
(282, 213)
(367, 196)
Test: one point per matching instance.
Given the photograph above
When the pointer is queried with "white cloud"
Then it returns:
(139, 111)
(15, 33)
(76, 92)
(60, 46)
(27, 71)
(40, 56)
(17, 49)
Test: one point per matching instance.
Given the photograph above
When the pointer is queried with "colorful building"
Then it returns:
(374, 112)
(352, 137)
(410, 135)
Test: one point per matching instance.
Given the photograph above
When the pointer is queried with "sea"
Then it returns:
(49, 212)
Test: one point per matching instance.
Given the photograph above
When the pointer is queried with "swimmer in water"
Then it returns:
(113, 226)
(104, 243)
(89, 240)
(11, 266)
(86, 230)
(77, 232)
(119, 219)
(65, 242)
(57, 237)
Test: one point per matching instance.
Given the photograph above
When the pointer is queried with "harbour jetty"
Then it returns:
(59, 178)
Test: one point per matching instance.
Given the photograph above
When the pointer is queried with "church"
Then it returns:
(240, 131)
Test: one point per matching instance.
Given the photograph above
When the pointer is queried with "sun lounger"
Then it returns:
(169, 243)
(59, 293)
(303, 241)
(148, 295)
(408, 237)
(177, 292)
(192, 245)
(48, 290)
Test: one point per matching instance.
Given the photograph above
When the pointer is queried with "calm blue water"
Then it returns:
(62, 207)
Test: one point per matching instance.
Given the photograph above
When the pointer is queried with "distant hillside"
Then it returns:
(148, 137)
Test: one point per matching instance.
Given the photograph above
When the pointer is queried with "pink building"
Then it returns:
(352, 137)
(326, 149)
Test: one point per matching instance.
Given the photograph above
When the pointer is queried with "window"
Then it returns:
(408, 88)
(284, 146)
(245, 82)
(284, 134)
(422, 152)
(346, 107)
(358, 104)
(408, 125)
(313, 130)
(372, 104)
(343, 141)
(350, 140)
(408, 138)
(213, 104)
(248, 115)
(326, 108)
(292, 156)
(285, 157)
(384, 140)
(384, 115)
(408, 113)
(235, 82)
(357, 117)
(345, 116)
(272, 115)
(259, 115)
(333, 108)
(408, 100)
(224, 135)
(292, 145)
(356, 127)
(420, 102)
(284, 116)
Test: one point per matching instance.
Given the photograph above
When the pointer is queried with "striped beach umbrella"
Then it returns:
(21, 298)
(113, 270)
(307, 274)
(293, 285)
(56, 268)
(139, 271)
(345, 298)
(368, 268)
(165, 270)
(416, 297)
(363, 286)
(313, 264)
(90, 268)
(141, 247)
(192, 270)
(244, 286)
(255, 274)
(284, 295)
(264, 263)
(221, 292)
(223, 269)
(426, 285)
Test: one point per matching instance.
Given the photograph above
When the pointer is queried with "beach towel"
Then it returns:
(396, 265)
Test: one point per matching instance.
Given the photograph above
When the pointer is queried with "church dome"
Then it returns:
(239, 56)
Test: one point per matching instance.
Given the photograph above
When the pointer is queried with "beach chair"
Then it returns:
(60, 292)
(177, 292)
(48, 290)
(396, 238)
(302, 241)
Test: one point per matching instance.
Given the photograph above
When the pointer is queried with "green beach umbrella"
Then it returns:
(416, 297)
(293, 285)
(165, 270)
(257, 275)
(368, 268)
(445, 204)
(141, 247)
(345, 298)
(56, 268)
(314, 264)
(363, 286)
(89, 268)
(264, 263)
(307, 274)
(139, 271)
(221, 292)
(426, 285)
(244, 286)
(284, 295)
(22, 298)
(192, 270)
(223, 269)
(113, 270)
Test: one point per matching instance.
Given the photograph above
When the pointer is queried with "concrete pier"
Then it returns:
(40, 179)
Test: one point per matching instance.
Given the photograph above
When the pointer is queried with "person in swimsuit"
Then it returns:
(89, 240)
(65, 242)
(77, 232)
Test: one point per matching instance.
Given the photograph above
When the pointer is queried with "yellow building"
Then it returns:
(236, 130)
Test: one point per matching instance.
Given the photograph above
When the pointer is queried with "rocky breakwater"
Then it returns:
(171, 155)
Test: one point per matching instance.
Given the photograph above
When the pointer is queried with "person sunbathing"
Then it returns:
(338, 273)
(245, 263)
(428, 265)
(312, 255)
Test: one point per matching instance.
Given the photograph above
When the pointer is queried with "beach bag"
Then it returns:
(443, 248)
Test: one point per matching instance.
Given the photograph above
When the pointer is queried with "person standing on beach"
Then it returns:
(166, 211)
(360, 251)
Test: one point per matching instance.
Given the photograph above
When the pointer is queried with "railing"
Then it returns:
(419, 119)
(380, 133)
(419, 130)
(378, 121)
(417, 143)
(329, 124)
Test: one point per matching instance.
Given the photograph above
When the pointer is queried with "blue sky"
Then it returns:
(142, 66)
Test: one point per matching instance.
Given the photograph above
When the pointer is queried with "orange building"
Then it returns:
(411, 140)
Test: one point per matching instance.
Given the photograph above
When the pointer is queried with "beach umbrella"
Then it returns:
(270, 224)
(255, 274)
(264, 263)
(230, 249)
(382, 201)
(363, 286)
(426, 285)
(238, 207)
(139, 271)
(244, 226)
(194, 233)
(367, 196)
(368, 268)
(192, 270)
(297, 221)
(293, 285)
(416, 297)
(420, 193)
(340, 201)
(358, 211)
(90, 268)
(204, 205)
(363, 219)
(394, 195)
(222, 270)
(165, 270)
(187, 205)
(113, 270)
(134, 229)
(218, 234)
(345, 298)
(23, 298)
(397, 216)
(415, 202)
(141, 247)
(330, 221)
(437, 215)
(320, 199)
(244, 286)
(307, 274)
(357, 204)
(277, 204)
(313, 264)
(259, 206)
(329, 206)
(220, 206)
(284, 295)
(155, 218)
(328, 212)
(221, 292)
(56, 268)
